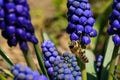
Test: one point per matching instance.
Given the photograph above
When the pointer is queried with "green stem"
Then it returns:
(6, 58)
(113, 60)
(40, 60)
(82, 68)
(29, 60)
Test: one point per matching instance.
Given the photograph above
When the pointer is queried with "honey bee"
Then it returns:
(78, 51)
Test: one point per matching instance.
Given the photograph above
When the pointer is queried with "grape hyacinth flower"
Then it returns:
(50, 55)
(80, 21)
(71, 62)
(15, 23)
(114, 19)
(25, 73)
(99, 60)
(61, 71)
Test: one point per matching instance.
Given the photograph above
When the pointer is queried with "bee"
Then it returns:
(78, 51)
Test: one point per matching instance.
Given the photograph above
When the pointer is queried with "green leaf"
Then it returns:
(114, 78)
(6, 58)
(39, 54)
(109, 51)
(2, 77)
(107, 59)
(44, 35)
(40, 60)
(6, 72)
(90, 66)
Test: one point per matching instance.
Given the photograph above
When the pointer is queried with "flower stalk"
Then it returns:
(29, 60)
(82, 68)
(112, 65)
(6, 58)
(40, 60)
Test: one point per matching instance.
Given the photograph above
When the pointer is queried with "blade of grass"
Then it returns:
(7, 72)
(29, 60)
(40, 60)
(2, 77)
(6, 58)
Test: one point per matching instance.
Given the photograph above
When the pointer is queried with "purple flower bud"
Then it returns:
(11, 18)
(10, 7)
(72, 9)
(93, 33)
(84, 1)
(90, 21)
(21, 76)
(116, 13)
(29, 26)
(29, 77)
(86, 40)
(52, 59)
(10, 30)
(28, 35)
(47, 64)
(88, 6)
(12, 41)
(83, 20)
(116, 24)
(48, 54)
(55, 53)
(76, 4)
(20, 1)
(118, 5)
(2, 25)
(83, 5)
(88, 29)
(42, 77)
(78, 11)
(79, 29)
(1, 2)
(87, 13)
(19, 9)
(5, 34)
(15, 72)
(71, 28)
(110, 31)
(116, 39)
(50, 70)
(24, 46)
(74, 36)
(75, 18)
(2, 13)
(34, 40)
(21, 34)
(21, 21)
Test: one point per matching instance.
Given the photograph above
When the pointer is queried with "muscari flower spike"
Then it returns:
(114, 19)
(98, 62)
(15, 23)
(50, 55)
(80, 21)
(71, 62)
(25, 73)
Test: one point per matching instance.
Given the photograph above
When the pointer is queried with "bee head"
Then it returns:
(72, 44)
